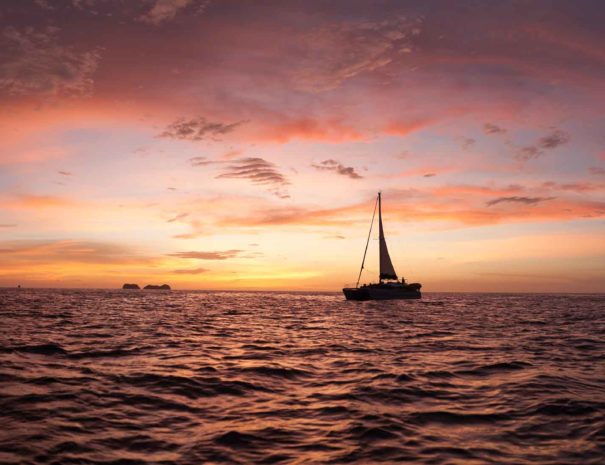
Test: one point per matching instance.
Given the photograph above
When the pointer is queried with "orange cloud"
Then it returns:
(429, 210)
(403, 128)
(450, 191)
(310, 129)
(38, 202)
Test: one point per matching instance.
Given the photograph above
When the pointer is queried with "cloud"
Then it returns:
(200, 161)
(191, 271)
(43, 4)
(403, 128)
(578, 186)
(197, 129)
(516, 199)
(467, 143)
(231, 154)
(7, 225)
(429, 175)
(554, 140)
(68, 251)
(65, 173)
(596, 170)
(489, 128)
(178, 217)
(528, 153)
(258, 171)
(551, 141)
(475, 191)
(341, 51)
(163, 10)
(333, 165)
(309, 129)
(216, 255)
(406, 208)
(34, 63)
(38, 202)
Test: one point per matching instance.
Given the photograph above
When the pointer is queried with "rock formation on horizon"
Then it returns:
(163, 287)
(130, 286)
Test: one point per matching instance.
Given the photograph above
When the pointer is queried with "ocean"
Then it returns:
(144, 377)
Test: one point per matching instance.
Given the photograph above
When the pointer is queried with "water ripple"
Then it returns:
(113, 377)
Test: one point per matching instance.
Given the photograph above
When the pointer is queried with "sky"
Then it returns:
(240, 144)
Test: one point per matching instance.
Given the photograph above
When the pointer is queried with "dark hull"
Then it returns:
(380, 293)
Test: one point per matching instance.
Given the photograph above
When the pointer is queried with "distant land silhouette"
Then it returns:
(163, 287)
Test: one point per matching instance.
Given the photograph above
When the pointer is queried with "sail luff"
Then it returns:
(387, 271)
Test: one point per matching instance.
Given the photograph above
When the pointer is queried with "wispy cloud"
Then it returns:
(196, 129)
(231, 154)
(405, 127)
(553, 140)
(178, 217)
(191, 271)
(201, 161)
(64, 173)
(549, 142)
(258, 171)
(341, 51)
(489, 128)
(578, 186)
(596, 170)
(69, 251)
(467, 143)
(35, 63)
(38, 202)
(165, 10)
(517, 199)
(334, 131)
(215, 255)
(337, 167)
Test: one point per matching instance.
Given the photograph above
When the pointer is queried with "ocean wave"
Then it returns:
(104, 377)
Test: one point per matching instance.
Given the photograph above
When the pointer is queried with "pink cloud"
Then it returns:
(311, 129)
(403, 128)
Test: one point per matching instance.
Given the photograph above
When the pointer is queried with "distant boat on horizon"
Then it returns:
(388, 287)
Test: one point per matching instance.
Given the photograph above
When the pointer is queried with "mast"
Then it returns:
(386, 266)
(367, 242)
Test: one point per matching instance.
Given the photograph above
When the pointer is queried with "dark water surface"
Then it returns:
(135, 377)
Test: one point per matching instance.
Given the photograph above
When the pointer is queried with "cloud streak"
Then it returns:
(336, 167)
(215, 255)
(549, 142)
(489, 128)
(517, 199)
(191, 271)
(258, 171)
(197, 129)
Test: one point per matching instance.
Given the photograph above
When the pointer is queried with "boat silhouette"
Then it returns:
(389, 287)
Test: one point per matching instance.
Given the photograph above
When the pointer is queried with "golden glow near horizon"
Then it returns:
(208, 152)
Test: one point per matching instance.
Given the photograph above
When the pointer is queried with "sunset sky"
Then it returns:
(240, 144)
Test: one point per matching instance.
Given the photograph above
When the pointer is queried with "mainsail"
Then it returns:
(386, 266)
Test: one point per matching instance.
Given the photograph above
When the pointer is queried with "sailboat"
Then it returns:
(389, 286)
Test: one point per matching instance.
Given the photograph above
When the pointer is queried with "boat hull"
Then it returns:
(380, 293)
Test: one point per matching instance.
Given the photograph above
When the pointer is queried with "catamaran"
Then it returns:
(388, 287)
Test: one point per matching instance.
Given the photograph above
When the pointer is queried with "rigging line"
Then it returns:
(367, 243)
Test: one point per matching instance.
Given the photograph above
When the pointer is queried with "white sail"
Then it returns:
(386, 266)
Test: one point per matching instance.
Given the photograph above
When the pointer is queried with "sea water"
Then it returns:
(141, 377)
